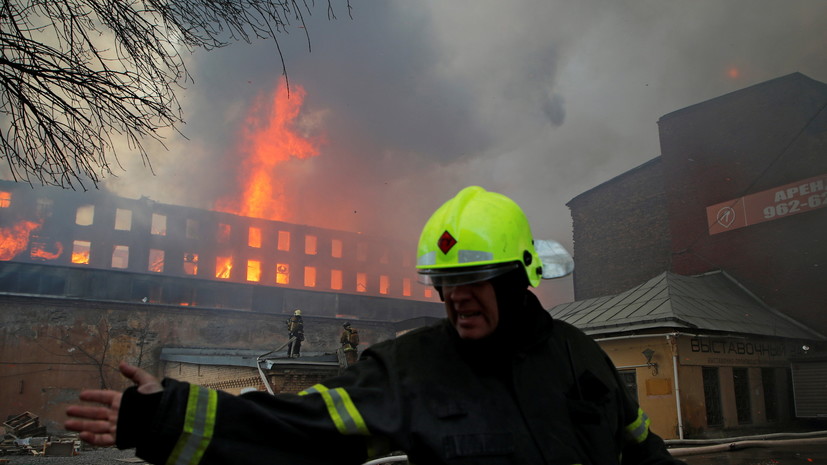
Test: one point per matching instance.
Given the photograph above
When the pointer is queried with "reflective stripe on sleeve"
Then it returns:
(341, 409)
(639, 429)
(199, 425)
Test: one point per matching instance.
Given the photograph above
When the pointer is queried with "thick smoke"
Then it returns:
(540, 100)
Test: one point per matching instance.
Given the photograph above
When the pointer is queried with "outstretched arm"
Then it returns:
(97, 423)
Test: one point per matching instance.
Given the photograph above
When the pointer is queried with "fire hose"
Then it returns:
(739, 443)
(389, 459)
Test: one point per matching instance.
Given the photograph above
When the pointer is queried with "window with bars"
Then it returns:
(743, 407)
(770, 393)
(712, 397)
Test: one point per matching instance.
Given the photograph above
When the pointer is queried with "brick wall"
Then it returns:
(620, 232)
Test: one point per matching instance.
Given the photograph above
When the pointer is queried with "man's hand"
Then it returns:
(97, 424)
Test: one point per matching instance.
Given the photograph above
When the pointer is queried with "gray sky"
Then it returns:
(537, 99)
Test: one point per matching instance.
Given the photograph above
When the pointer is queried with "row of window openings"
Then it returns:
(224, 265)
(123, 222)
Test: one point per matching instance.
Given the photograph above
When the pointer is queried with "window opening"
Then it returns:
(80, 252)
(384, 284)
(191, 263)
(310, 276)
(156, 260)
(5, 199)
(123, 219)
(253, 270)
(120, 256)
(159, 225)
(85, 215)
(282, 273)
(310, 245)
(44, 207)
(254, 237)
(223, 266)
(336, 248)
(406, 287)
(336, 279)
(192, 229)
(361, 282)
(284, 241)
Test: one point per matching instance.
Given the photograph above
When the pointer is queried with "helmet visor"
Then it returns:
(441, 277)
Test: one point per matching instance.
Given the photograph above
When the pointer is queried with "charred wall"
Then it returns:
(94, 230)
(107, 285)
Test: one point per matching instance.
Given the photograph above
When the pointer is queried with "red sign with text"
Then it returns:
(772, 204)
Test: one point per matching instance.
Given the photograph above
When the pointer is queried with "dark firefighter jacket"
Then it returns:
(555, 398)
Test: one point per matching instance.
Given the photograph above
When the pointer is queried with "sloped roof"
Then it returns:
(710, 302)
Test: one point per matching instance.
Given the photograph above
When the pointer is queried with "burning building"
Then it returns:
(103, 247)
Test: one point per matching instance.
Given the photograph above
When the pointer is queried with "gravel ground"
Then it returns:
(104, 456)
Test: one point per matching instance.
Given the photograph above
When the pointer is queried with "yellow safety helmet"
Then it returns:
(475, 236)
(297, 312)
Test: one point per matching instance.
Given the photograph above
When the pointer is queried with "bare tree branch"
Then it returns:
(78, 76)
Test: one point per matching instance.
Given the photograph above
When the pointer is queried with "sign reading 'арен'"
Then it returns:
(771, 204)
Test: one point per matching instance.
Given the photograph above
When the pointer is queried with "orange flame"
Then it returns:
(15, 239)
(39, 251)
(81, 258)
(269, 142)
(253, 270)
(223, 265)
(157, 264)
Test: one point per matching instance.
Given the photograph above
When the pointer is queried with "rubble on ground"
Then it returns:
(25, 436)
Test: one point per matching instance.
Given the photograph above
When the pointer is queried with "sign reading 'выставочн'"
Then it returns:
(771, 204)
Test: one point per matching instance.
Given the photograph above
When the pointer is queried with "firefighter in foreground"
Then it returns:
(497, 382)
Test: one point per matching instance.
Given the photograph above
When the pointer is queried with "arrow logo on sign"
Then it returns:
(725, 216)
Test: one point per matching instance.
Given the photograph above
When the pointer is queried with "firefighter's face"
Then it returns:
(472, 309)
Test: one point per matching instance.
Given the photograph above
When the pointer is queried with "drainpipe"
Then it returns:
(672, 342)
